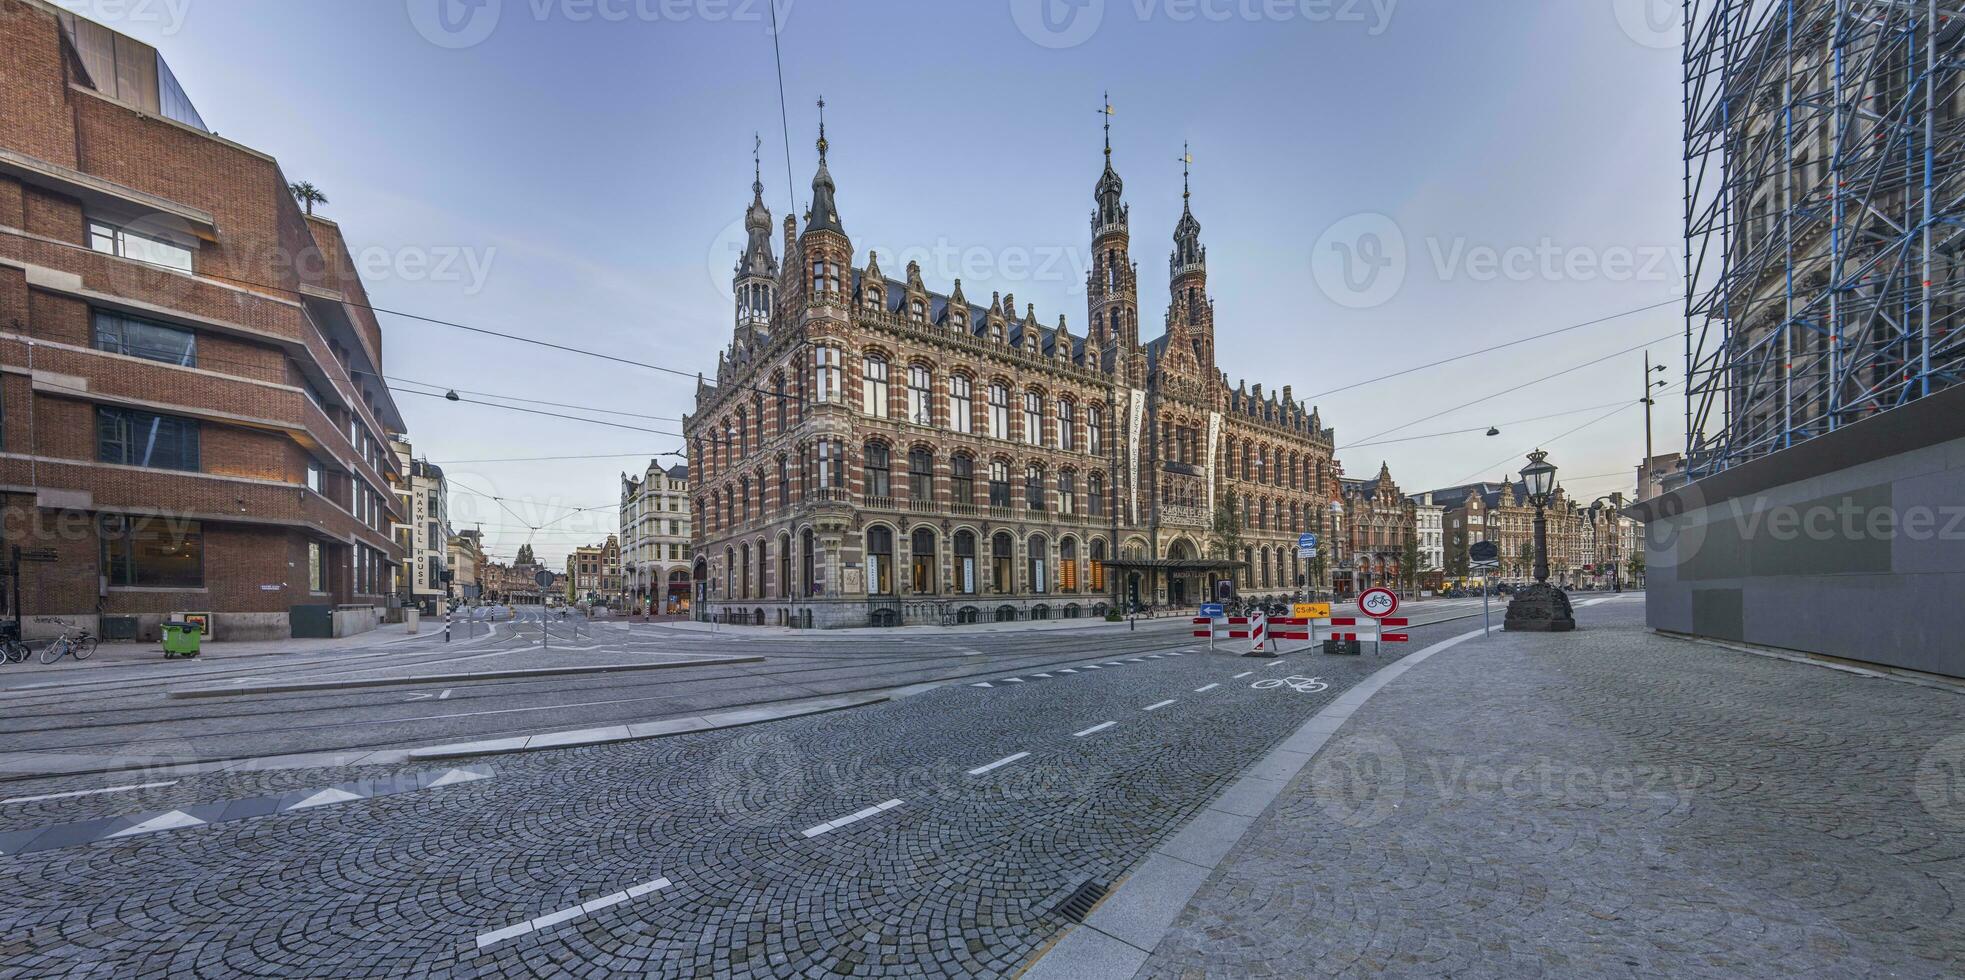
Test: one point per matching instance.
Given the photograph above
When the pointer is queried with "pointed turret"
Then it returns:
(1111, 286)
(825, 253)
(1187, 270)
(755, 282)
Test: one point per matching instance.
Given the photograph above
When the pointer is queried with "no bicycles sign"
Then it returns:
(1378, 603)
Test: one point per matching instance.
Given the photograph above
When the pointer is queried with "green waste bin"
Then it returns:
(181, 639)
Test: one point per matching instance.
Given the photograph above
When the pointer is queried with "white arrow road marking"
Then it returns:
(169, 821)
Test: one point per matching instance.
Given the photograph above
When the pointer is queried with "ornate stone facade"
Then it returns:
(872, 451)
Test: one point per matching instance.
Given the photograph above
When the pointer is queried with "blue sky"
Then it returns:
(573, 171)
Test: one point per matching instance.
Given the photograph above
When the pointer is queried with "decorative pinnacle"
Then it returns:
(822, 127)
(757, 165)
(1186, 158)
(1106, 111)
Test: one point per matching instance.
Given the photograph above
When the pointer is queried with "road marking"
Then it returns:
(456, 776)
(1241, 675)
(1066, 670)
(87, 792)
(174, 820)
(551, 919)
(1006, 760)
(445, 695)
(1156, 707)
(983, 684)
(1040, 675)
(419, 697)
(1014, 680)
(324, 798)
(1101, 726)
(832, 825)
(1092, 667)
(1210, 687)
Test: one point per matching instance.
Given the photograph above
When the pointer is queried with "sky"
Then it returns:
(1381, 184)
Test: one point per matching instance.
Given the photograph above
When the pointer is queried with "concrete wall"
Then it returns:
(1850, 545)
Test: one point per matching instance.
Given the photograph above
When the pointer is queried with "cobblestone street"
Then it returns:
(1606, 803)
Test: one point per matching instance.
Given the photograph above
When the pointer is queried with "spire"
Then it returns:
(1188, 255)
(757, 258)
(1109, 184)
(824, 215)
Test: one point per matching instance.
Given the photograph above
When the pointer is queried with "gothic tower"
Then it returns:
(1187, 270)
(755, 283)
(827, 254)
(1111, 288)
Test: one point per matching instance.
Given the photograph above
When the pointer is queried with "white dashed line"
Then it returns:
(1040, 675)
(1066, 670)
(851, 817)
(1241, 675)
(1156, 707)
(1013, 680)
(551, 919)
(1101, 726)
(1006, 760)
(87, 792)
(1210, 687)
(983, 684)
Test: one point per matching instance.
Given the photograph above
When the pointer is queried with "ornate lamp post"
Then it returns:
(1541, 607)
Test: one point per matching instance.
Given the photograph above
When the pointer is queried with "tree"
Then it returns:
(1525, 559)
(1225, 538)
(1409, 561)
(525, 556)
(1635, 564)
(307, 194)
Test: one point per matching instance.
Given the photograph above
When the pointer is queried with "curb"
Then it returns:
(645, 730)
(220, 692)
(1122, 931)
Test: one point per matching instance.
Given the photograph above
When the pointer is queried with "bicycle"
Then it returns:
(80, 647)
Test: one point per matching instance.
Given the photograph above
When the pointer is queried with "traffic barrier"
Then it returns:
(1258, 633)
(1238, 627)
(1204, 621)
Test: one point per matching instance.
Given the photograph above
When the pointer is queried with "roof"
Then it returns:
(894, 300)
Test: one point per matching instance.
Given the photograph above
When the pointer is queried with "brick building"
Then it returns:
(1500, 512)
(1379, 528)
(191, 413)
(873, 451)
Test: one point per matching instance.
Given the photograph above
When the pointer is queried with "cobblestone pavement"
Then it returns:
(1606, 803)
(714, 854)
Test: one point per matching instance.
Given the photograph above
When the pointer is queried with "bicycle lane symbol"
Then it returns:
(1301, 685)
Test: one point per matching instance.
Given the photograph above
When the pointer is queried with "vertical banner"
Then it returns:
(1214, 438)
(1135, 416)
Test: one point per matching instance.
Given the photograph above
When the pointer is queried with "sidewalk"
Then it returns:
(1607, 802)
(112, 653)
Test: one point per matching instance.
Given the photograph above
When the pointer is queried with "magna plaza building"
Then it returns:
(874, 451)
(192, 418)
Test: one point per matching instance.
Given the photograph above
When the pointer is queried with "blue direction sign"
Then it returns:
(1306, 545)
(1213, 610)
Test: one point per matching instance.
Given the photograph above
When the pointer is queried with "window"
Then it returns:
(782, 403)
(1033, 487)
(1039, 548)
(316, 477)
(142, 338)
(921, 561)
(920, 395)
(1094, 429)
(825, 374)
(135, 438)
(832, 460)
(878, 477)
(961, 403)
(1002, 553)
(1033, 418)
(151, 553)
(965, 562)
(784, 486)
(141, 246)
(921, 476)
(999, 411)
(1068, 565)
(807, 562)
(1067, 492)
(1098, 566)
(962, 479)
(873, 386)
(999, 483)
(1067, 421)
(880, 560)
(316, 567)
(1095, 494)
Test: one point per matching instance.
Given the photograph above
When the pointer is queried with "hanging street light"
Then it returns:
(1540, 608)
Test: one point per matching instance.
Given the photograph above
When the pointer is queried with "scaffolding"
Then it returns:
(1822, 217)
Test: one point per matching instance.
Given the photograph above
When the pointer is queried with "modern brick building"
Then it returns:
(191, 413)
(872, 451)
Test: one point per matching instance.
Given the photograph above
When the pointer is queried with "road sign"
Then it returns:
(1310, 610)
(1213, 610)
(544, 578)
(1378, 603)
(1306, 545)
(1484, 551)
(1486, 566)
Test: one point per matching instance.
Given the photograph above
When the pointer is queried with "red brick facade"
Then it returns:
(284, 379)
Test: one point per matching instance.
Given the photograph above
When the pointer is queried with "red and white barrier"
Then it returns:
(1258, 633)
(1204, 626)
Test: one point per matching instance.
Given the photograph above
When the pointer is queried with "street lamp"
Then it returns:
(1540, 608)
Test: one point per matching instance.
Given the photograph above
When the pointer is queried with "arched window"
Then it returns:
(920, 395)
(1068, 565)
(873, 386)
(877, 471)
(1033, 418)
(965, 562)
(746, 484)
(808, 564)
(1067, 425)
(961, 403)
(826, 380)
(1098, 565)
(783, 402)
(1094, 429)
(921, 562)
(1033, 487)
(880, 560)
(1067, 492)
(784, 566)
(729, 572)
(921, 475)
(999, 411)
(999, 483)
(784, 481)
(1095, 494)
(1002, 558)
(1038, 554)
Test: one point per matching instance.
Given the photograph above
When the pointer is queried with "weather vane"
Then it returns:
(1106, 111)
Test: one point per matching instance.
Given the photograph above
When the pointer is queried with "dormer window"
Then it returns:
(917, 311)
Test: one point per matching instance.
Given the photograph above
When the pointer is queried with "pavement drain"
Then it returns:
(1077, 905)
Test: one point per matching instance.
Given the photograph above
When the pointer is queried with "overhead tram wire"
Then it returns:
(1482, 428)
(1505, 460)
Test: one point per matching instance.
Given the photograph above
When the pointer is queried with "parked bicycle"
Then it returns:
(12, 650)
(80, 646)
